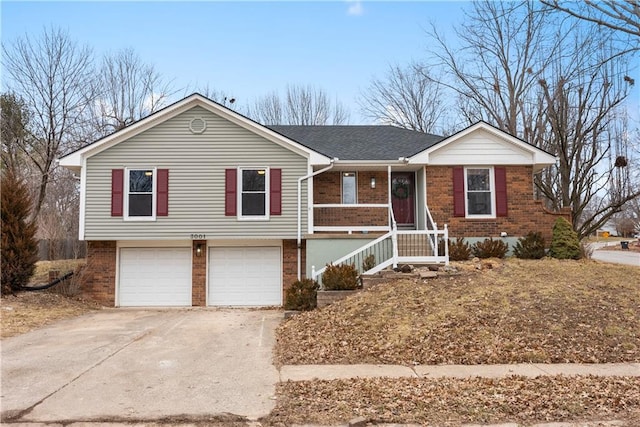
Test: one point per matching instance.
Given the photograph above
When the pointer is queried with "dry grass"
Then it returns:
(41, 275)
(451, 402)
(31, 310)
(547, 311)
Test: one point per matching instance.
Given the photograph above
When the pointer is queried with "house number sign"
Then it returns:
(197, 236)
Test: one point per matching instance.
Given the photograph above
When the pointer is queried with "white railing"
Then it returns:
(404, 246)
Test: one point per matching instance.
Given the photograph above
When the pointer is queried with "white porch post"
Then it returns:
(389, 196)
(446, 244)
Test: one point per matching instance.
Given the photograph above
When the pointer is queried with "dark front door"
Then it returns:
(403, 191)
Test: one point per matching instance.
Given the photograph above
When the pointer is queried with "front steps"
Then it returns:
(384, 276)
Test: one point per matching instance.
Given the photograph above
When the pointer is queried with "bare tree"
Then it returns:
(58, 219)
(219, 96)
(13, 123)
(407, 97)
(555, 84)
(618, 15)
(504, 49)
(129, 90)
(302, 105)
(54, 77)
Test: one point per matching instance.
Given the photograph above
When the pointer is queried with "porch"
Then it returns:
(373, 219)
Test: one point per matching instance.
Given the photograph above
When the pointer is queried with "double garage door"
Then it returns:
(237, 276)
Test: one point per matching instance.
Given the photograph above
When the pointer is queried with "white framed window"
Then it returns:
(349, 188)
(140, 194)
(480, 200)
(253, 193)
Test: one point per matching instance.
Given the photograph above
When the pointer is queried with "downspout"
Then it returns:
(300, 211)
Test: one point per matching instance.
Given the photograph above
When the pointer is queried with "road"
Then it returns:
(617, 257)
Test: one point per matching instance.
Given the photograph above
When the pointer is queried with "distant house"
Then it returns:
(199, 205)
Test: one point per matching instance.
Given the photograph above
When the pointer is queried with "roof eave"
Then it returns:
(75, 159)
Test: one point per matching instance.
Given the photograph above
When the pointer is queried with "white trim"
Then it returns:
(75, 159)
(267, 194)
(355, 189)
(83, 199)
(492, 189)
(354, 205)
(355, 228)
(125, 204)
(153, 243)
(540, 158)
(310, 217)
(221, 243)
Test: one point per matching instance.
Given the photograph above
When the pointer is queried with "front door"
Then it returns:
(403, 197)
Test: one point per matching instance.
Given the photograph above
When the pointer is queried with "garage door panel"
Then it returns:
(155, 277)
(245, 276)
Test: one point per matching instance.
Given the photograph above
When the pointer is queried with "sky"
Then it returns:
(248, 49)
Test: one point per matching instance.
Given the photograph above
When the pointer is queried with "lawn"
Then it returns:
(451, 402)
(547, 311)
(510, 311)
(26, 311)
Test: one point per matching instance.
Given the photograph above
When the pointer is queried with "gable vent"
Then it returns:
(197, 125)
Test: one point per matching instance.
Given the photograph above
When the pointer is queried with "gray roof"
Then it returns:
(360, 142)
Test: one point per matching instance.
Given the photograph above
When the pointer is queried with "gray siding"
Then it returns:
(196, 166)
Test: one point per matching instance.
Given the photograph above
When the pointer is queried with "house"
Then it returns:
(199, 205)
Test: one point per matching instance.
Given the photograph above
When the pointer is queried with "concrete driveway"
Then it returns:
(617, 257)
(135, 365)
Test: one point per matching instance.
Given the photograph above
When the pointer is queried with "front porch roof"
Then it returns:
(360, 143)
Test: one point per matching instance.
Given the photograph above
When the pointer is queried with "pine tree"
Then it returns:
(19, 251)
(564, 243)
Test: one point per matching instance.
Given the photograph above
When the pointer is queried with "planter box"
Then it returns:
(329, 297)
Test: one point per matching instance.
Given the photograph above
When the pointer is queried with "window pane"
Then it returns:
(478, 180)
(479, 203)
(140, 204)
(253, 180)
(349, 188)
(253, 204)
(141, 181)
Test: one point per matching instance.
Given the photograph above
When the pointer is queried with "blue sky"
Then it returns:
(248, 49)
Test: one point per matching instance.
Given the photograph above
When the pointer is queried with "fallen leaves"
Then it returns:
(30, 310)
(546, 311)
(450, 401)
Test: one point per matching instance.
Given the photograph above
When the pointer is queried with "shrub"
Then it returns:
(340, 277)
(369, 262)
(19, 251)
(301, 295)
(530, 246)
(459, 250)
(564, 243)
(490, 248)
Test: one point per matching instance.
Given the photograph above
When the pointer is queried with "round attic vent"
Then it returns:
(197, 125)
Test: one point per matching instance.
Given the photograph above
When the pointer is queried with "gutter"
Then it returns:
(303, 178)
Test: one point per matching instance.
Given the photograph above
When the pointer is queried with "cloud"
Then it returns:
(355, 8)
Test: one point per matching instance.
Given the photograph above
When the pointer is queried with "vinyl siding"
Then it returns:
(196, 164)
(480, 148)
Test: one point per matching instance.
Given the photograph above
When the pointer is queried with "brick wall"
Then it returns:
(290, 263)
(327, 189)
(524, 213)
(99, 282)
(199, 274)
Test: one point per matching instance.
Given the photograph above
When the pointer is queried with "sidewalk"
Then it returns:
(334, 372)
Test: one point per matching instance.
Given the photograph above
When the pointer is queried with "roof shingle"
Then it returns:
(348, 142)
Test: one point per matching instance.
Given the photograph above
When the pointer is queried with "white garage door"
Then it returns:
(245, 276)
(155, 277)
